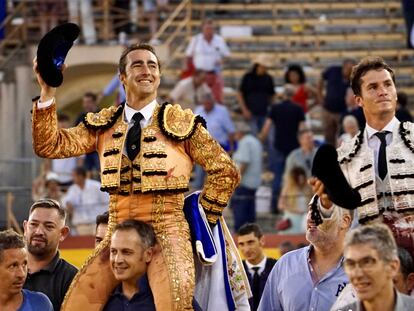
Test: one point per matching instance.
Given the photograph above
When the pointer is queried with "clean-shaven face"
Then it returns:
(378, 94)
(142, 73)
(250, 246)
(368, 273)
(128, 256)
(13, 271)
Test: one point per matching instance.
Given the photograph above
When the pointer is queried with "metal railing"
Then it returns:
(16, 177)
(25, 18)
(180, 27)
(14, 206)
(14, 26)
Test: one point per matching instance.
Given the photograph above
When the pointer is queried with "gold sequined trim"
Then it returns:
(177, 123)
(179, 295)
(104, 118)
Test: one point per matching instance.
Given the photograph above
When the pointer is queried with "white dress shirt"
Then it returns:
(147, 112)
(374, 142)
(261, 265)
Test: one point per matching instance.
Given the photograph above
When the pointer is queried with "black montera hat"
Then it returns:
(326, 168)
(52, 51)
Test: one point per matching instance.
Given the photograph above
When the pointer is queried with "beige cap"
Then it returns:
(52, 176)
(264, 60)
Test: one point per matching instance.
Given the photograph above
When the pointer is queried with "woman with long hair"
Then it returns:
(296, 76)
(294, 198)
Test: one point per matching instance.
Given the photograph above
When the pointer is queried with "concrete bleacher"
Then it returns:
(315, 34)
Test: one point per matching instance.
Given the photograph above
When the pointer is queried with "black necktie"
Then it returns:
(134, 137)
(256, 288)
(382, 155)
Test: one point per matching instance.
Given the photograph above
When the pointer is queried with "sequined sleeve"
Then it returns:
(51, 142)
(222, 174)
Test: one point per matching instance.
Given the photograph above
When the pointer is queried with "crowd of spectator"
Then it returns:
(340, 268)
(273, 121)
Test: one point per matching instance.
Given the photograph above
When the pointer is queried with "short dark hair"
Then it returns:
(250, 228)
(297, 68)
(90, 95)
(80, 170)
(145, 231)
(406, 262)
(51, 204)
(365, 65)
(207, 21)
(10, 239)
(133, 47)
(304, 131)
(102, 219)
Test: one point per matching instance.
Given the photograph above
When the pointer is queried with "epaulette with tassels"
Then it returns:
(405, 132)
(176, 123)
(357, 146)
(103, 119)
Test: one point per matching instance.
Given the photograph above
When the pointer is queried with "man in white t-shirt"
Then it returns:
(84, 201)
(207, 50)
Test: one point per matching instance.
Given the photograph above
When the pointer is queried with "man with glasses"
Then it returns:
(371, 263)
(310, 278)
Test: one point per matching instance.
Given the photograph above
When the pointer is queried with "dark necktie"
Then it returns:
(256, 288)
(382, 155)
(134, 137)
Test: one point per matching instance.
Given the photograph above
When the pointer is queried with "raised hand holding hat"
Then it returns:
(52, 51)
(326, 168)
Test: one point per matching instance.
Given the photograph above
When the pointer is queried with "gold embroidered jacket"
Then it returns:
(169, 145)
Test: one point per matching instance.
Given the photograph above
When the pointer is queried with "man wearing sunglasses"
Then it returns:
(371, 263)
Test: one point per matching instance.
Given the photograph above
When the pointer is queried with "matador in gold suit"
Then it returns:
(150, 188)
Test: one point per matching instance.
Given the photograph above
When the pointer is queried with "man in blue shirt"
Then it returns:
(13, 273)
(248, 158)
(132, 247)
(219, 123)
(310, 278)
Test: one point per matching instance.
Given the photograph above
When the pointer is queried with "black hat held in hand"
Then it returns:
(326, 168)
(52, 51)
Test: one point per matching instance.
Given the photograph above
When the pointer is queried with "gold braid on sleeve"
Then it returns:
(222, 174)
(103, 119)
(49, 141)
